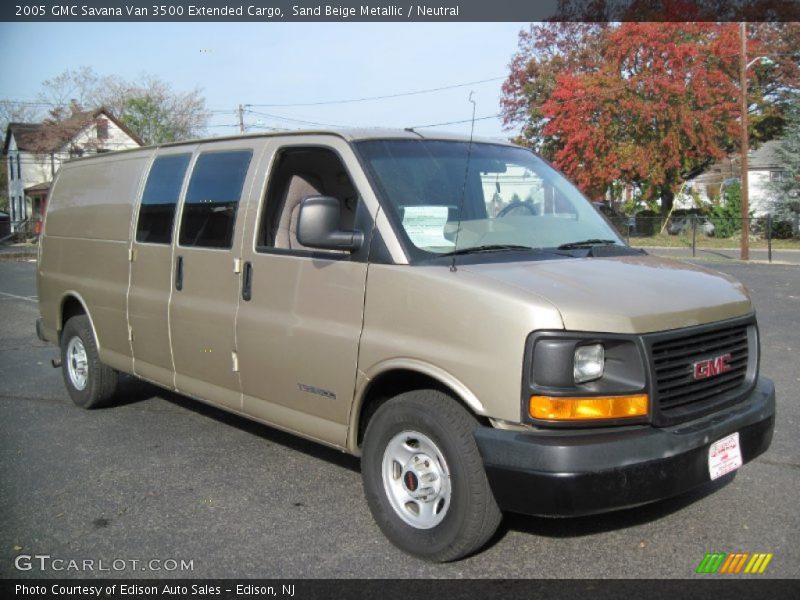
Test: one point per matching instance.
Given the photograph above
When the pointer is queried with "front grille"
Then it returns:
(673, 359)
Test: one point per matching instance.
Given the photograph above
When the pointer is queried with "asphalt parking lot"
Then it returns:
(161, 477)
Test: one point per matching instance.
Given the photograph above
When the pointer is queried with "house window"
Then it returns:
(777, 175)
(102, 129)
(209, 211)
(10, 168)
(160, 196)
(19, 169)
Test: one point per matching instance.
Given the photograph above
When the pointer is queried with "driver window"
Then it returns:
(297, 174)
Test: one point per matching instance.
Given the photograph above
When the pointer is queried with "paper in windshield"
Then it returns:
(425, 226)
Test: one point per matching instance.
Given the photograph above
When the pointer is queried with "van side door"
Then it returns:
(205, 278)
(301, 312)
(151, 267)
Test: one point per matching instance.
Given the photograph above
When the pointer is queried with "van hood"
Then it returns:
(631, 294)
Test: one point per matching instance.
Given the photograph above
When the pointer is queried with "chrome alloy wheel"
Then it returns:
(77, 363)
(416, 479)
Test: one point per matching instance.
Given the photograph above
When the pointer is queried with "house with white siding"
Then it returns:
(763, 167)
(33, 153)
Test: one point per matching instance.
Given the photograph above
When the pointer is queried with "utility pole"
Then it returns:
(744, 250)
(241, 118)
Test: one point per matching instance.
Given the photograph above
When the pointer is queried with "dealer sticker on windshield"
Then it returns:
(724, 456)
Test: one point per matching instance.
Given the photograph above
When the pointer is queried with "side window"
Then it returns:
(209, 211)
(298, 173)
(157, 212)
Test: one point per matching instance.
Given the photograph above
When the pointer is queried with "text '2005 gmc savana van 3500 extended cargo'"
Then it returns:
(454, 312)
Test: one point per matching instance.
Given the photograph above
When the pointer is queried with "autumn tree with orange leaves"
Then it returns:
(645, 103)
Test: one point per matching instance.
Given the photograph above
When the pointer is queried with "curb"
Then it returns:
(719, 259)
(18, 254)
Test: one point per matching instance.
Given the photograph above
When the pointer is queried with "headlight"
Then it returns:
(576, 378)
(589, 363)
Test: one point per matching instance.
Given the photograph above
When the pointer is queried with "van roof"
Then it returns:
(356, 134)
(350, 135)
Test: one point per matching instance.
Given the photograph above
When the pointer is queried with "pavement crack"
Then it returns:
(22, 348)
(780, 463)
(29, 398)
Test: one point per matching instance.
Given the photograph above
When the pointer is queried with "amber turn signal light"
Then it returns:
(551, 408)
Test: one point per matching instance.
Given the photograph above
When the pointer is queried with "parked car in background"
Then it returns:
(5, 224)
(683, 224)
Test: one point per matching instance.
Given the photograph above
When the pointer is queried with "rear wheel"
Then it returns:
(89, 382)
(424, 478)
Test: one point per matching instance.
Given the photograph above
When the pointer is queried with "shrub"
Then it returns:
(727, 215)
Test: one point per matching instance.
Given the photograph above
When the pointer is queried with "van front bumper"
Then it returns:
(577, 472)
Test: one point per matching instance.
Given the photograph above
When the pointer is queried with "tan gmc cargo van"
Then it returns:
(454, 312)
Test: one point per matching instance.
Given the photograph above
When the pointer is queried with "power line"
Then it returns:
(367, 98)
(320, 103)
(457, 122)
(267, 128)
(293, 120)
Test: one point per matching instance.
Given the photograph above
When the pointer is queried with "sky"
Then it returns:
(284, 63)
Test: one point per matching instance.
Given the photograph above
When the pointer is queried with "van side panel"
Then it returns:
(94, 199)
(460, 326)
(84, 248)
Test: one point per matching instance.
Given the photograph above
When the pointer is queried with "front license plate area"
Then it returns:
(724, 456)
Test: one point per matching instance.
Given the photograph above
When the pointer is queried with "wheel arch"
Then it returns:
(72, 304)
(391, 378)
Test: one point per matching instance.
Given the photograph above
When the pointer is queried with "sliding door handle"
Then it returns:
(247, 281)
(179, 274)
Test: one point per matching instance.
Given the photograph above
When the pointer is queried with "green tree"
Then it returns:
(150, 119)
(157, 112)
(786, 190)
(727, 215)
(149, 106)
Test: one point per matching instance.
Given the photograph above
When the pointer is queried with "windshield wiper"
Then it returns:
(487, 248)
(587, 244)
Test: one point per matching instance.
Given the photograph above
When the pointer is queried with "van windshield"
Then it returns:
(450, 198)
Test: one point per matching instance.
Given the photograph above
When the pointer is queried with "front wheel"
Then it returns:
(89, 382)
(424, 478)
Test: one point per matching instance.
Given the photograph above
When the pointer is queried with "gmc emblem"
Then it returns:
(712, 367)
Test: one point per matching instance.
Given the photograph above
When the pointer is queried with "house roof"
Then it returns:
(39, 187)
(50, 136)
(765, 157)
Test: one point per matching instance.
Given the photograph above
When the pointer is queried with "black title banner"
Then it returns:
(403, 10)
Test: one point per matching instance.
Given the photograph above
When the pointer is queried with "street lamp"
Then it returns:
(744, 249)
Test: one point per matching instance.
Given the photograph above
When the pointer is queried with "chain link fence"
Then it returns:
(697, 232)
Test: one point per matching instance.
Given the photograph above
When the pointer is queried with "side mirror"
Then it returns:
(318, 226)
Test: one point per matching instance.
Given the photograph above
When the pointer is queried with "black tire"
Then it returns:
(470, 513)
(100, 381)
